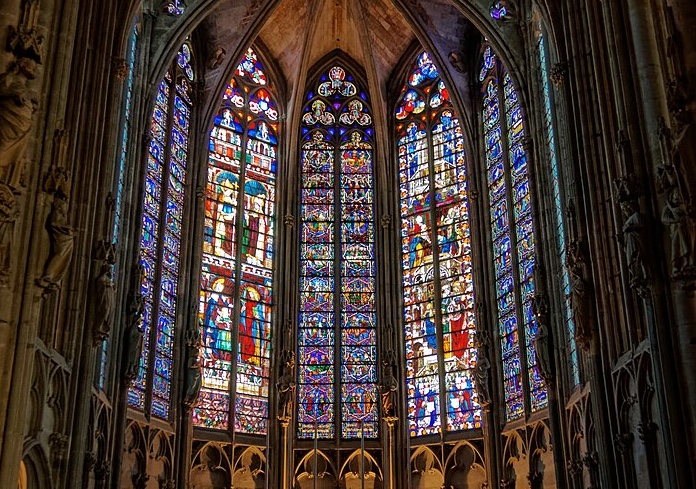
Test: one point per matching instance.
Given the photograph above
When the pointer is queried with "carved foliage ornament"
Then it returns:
(25, 41)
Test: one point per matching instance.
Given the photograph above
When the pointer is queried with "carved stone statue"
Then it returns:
(62, 241)
(580, 295)
(681, 232)
(286, 385)
(8, 215)
(483, 365)
(17, 106)
(634, 243)
(104, 298)
(133, 335)
(542, 345)
(389, 385)
(194, 374)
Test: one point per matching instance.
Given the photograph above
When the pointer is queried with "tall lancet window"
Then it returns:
(438, 285)
(236, 294)
(512, 235)
(561, 245)
(120, 177)
(337, 324)
(160, 239)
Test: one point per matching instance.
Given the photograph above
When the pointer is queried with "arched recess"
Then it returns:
(541, 466)
(250, 470)
(426, 469)
(360, 465)
(211, 468)
(515, 454)
(465, 467)
(34, 468)
(315, 466)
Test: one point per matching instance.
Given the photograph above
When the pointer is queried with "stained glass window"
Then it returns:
(438, 286)
(337, 324)
(512, 235)
(173, 7)
(163, 206)
(121, 171)
(558, 208)
(237, 271)
(499, 10)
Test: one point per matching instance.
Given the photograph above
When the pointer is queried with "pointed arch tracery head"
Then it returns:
(438, 286)
(236, 293)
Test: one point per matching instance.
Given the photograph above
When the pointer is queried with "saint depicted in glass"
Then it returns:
(237, 271)
(438, 284)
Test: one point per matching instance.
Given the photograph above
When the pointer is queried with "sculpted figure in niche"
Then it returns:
(194, 376)
(104, 297)
(634, 243)
(681, 232)
(8, 215)
(286, 385)
(133, 335)
(17, 106)
(580, 296)
(389, 386)
(542, 345)
(62, 241)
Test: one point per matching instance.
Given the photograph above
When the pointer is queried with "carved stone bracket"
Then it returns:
(289, 220)
(647, 431)
(120, 68)
(622, 442)
(574, 468)
(385, 221)
(216, 57)
(59, 449)
(558, 74)
(25, 41)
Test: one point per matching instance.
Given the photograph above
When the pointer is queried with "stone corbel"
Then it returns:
(120, 68)
(216, 57)
(558, 74)
(25, 41)
(58, 442)
(57, 180)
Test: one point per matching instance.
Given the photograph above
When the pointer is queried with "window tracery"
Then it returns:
(438, 286)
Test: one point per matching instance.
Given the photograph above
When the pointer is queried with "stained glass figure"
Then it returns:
(512, 236)
(558, 207)
(162, 218)
(438, 286)
(337, 367)
(236, 295)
